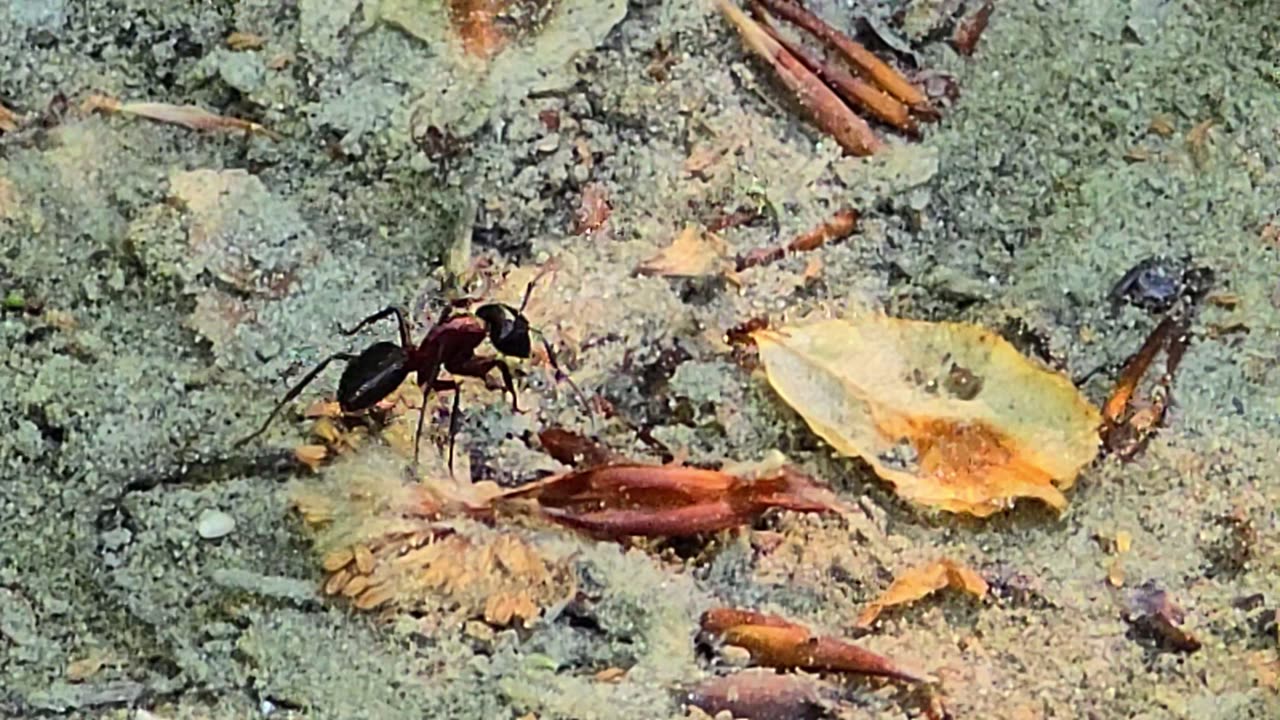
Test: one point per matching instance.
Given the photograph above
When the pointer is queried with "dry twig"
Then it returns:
(827, 109)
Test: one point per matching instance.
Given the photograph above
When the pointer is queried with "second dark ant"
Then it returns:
(449, 345)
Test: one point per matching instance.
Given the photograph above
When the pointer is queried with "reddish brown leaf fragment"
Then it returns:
(760, 694)
(776, 642)
(593, 210)
(740, 334)
(572, 449)
(970, 28)
(626, 499)
(827, 109)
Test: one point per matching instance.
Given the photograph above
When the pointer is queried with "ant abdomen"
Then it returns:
(373, 375)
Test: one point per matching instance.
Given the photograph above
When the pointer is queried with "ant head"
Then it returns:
(372, 376)
(508, 329)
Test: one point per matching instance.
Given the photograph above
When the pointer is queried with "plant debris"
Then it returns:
(855, 90)
(9, 120)
(919, 582)
(877, 70)
(951, 414)
(245, 41)
(628, 499)
(572, 449)
(827, 109)
(760, 694)
(593, 210)
(1153, 614)
(694, 253)
(779, 643)
(389, 543)
(969, 29)
(841, 225)
(188, 116)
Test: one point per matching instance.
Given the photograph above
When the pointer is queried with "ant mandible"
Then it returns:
(449, 345)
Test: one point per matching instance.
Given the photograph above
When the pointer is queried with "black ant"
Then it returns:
(449, 345)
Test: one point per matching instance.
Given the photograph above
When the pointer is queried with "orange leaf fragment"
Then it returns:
(629, 499)
(951, 414)
(776, 642)
(694, 253)
(919, 582)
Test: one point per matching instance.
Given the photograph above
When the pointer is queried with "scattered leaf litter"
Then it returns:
(951, 414)
(919, 582)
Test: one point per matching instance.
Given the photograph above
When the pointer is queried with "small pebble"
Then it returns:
(214, 524)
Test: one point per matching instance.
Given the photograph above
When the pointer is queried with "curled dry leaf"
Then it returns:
(776, 642)
(694, 253)
(920, 581)
(628, 499)
(188, 116)
(951, 414)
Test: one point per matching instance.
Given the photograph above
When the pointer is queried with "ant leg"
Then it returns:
(453, 424)
(479, 367)
(562, 375)
(438, 386)
(295, 391)
(405, 340)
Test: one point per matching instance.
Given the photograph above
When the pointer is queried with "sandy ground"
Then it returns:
(163, 286)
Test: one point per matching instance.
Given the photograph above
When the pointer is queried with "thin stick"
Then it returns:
(827, 109)
(877, 70)
(841, 225)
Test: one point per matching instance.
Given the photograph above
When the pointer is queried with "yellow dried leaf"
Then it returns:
(951, 414)
(919, 582)
(694, 253)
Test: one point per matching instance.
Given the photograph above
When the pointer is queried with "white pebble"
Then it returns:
(213, 524)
